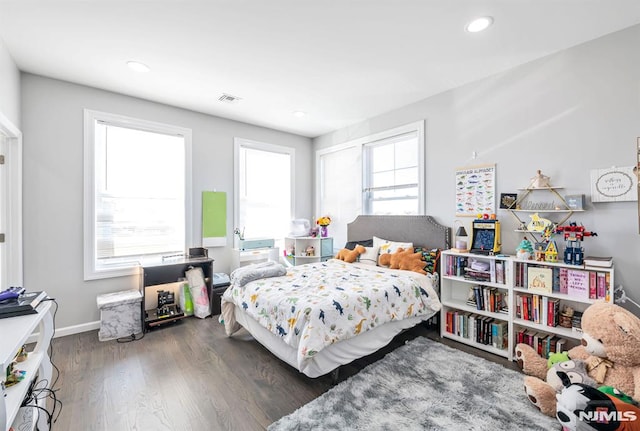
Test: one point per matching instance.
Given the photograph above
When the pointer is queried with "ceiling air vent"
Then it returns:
(228, 98)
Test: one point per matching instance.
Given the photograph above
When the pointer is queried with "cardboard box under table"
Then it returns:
(119, 314)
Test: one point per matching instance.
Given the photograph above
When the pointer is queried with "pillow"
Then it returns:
(365, 243)
(431, 258)
(386, 246)
(370, 256)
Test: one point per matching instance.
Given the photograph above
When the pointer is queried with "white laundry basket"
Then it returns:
(120, 314)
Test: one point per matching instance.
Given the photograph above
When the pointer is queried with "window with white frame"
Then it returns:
(378, 174)
(391, 175)
(264, 189)
(137, 192)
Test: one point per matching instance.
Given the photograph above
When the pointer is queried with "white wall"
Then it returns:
(564, 114)
(9, 87)
(52, 118)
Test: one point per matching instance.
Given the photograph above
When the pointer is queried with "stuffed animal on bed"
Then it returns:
(610, 348)
(403, 259)
(350, 256)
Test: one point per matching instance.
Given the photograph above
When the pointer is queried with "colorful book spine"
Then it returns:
(563, 280)
(592, 285)
(601, 284)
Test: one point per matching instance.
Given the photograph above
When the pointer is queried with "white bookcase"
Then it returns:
(296, 249)
(15, 333)
(506, 278)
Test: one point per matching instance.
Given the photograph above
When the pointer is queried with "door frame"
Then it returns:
(11, 191)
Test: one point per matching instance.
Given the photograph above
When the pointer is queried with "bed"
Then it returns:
(323, 315)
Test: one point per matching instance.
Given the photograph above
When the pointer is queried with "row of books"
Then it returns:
(488, 299)
(538, 309)
(481, 329)
(476, 269)
(576, 283)
(543, 343)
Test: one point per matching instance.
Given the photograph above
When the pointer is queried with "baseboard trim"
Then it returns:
(68, 330)
(76, 329)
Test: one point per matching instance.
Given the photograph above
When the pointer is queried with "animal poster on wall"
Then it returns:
(476, 190)
(614, 185)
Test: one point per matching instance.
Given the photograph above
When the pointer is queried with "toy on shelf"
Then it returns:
(485, 235)
(574, 235)
(524, 250)
(539, 181)
(551, 252)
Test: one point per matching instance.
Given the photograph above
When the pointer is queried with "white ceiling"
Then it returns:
(341, 61)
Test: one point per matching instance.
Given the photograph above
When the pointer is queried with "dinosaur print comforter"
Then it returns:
(316, 305)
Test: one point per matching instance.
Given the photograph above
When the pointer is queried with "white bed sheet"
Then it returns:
(337, 354)
(332, 357)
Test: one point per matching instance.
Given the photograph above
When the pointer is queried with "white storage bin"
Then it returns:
(119, 314)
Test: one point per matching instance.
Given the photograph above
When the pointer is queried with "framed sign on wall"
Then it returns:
(475, 190)
(614, 184)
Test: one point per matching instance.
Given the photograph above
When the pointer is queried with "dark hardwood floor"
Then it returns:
(187, 376)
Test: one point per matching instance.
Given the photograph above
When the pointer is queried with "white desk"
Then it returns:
(14, 332)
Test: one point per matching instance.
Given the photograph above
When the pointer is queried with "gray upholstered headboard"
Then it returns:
(421, 230)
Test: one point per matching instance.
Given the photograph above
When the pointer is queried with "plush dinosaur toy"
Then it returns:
(350, 256)
(404, 259)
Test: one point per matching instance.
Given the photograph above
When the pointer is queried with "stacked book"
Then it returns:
(599, 261)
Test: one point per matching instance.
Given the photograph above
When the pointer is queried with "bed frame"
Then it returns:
(421, 230)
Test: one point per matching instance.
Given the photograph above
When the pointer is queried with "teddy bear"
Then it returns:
(610, 348)
(403, 259)
(350, 256)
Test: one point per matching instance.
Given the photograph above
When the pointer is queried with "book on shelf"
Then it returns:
(599, 261)
(601, 285)
(553, 312)
(563, 279)
(499, 335)
(539, 279)
(578, 284)
(592, 285)
(500, 272)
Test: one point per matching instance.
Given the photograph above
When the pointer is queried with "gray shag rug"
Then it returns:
(423, 385)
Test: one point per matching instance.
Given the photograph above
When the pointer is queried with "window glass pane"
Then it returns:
(382, 158)
(411, 191)
(340, 197)
(383, 179)
(140, 194)
(406, 176)
(399, 207)
(265, 193)
(406, 153)
(392, 163)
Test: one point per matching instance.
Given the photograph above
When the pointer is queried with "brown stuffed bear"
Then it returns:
(403, 259)
(610, 347)
(350, 256)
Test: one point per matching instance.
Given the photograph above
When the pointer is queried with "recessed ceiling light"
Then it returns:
(479, 24)
(138, 67)
(299, 114)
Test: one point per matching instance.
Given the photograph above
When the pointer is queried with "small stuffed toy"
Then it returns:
(403, 259)
(350, 256)
(554, 358)
(575, 372)
(610, 349)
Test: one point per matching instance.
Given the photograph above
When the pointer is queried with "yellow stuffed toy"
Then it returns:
(350, 256)
(403, 259)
